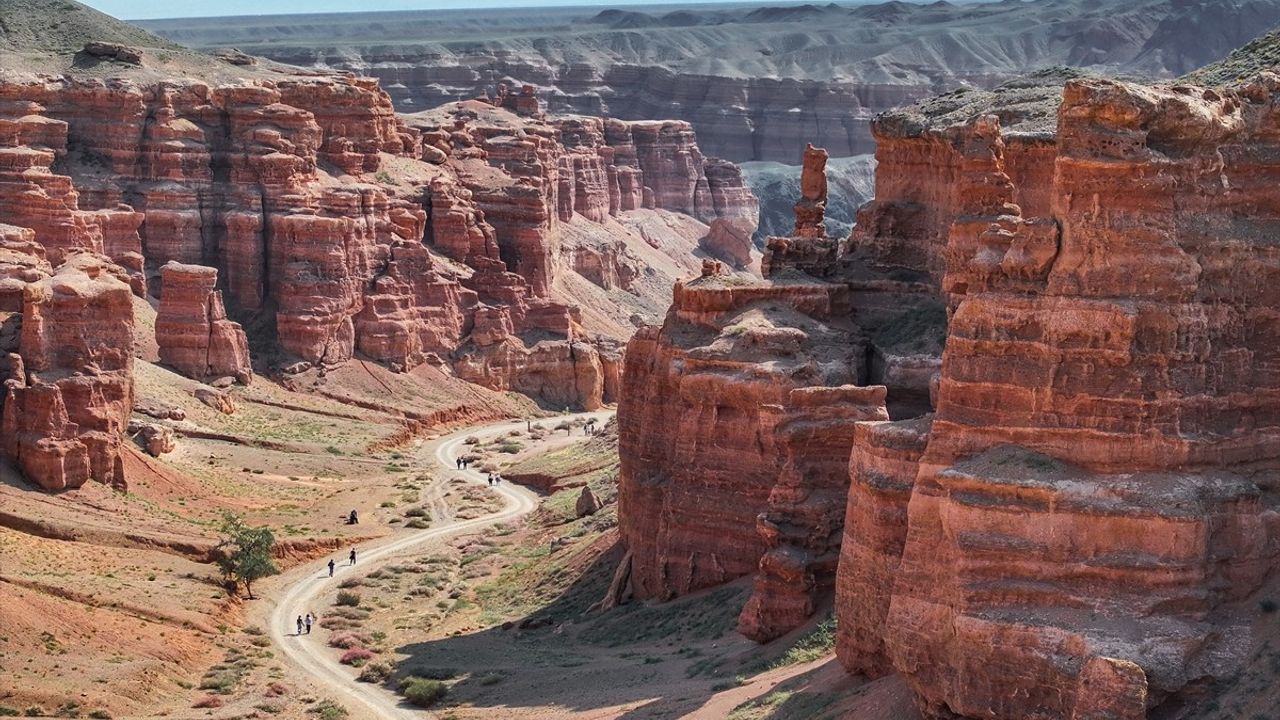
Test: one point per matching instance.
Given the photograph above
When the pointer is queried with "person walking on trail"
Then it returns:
(458, 462)
(353, 556)
(331, 564)
(299, 624)
(307, 621)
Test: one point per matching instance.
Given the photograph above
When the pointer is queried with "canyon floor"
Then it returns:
(111, 606)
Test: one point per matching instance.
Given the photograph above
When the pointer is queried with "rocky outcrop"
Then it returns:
(737, 416)
(70, 386)
(883, 463)
(1087, 509)
(802, 526)
(192, 329)
(702, 401)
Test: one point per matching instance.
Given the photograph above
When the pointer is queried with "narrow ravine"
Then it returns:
(302, 586)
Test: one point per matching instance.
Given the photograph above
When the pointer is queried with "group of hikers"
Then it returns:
(351, 557)
(306, 621)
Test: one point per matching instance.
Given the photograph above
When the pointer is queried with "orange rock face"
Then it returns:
(709, 403)
(70, 387)
(737, 418)
(1086, 513)
(192, 329)
(281, 186)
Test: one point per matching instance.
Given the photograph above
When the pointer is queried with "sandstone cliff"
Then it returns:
(1088, 508)
(737, 415)
(301, 205)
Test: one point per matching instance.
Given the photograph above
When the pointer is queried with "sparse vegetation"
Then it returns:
(347, 598)
(328, 710)
(422, 692)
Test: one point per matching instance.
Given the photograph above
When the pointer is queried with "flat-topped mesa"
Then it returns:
(192, 330)
(70, 386)
(1086, 517)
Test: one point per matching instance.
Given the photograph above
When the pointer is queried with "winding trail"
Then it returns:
(310, 654)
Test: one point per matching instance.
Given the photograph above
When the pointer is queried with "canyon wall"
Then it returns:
(737, 415)
(1087, 508)
(303, 206)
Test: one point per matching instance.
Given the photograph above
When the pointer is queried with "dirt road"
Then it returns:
(300, 591)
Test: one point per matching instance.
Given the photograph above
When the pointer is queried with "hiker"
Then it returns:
(308, 622)
(299, 624)
(458, 462)
(331, 564)
(353, 556)
(353, 518)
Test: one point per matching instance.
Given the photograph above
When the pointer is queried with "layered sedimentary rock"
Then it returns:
(70, 386)
(1089, 507)
(192, 329)
(883, 463)
(316, 211)
(802, 526)
(738, 414)
(702, 401)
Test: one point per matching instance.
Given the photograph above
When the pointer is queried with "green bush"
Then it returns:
(6, 711)
(348, 599)
(421, 691)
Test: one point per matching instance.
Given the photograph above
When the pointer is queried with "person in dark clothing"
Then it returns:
(353, 556)
(331, 564)
(299, 624)
(353, 518)
(458, 462)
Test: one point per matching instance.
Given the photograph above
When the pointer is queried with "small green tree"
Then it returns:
(245, 552)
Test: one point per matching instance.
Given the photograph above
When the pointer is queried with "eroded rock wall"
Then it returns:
(1089, 509)
(706, 401)
(69, 392)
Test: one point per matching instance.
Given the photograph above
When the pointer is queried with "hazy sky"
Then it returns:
(140, 9)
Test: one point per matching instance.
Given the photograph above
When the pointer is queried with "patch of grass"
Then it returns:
(492, 679)
(333, 450)
(6, 711)
(819, 642)
(347, 598)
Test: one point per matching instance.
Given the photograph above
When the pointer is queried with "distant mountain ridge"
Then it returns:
(757, 81)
